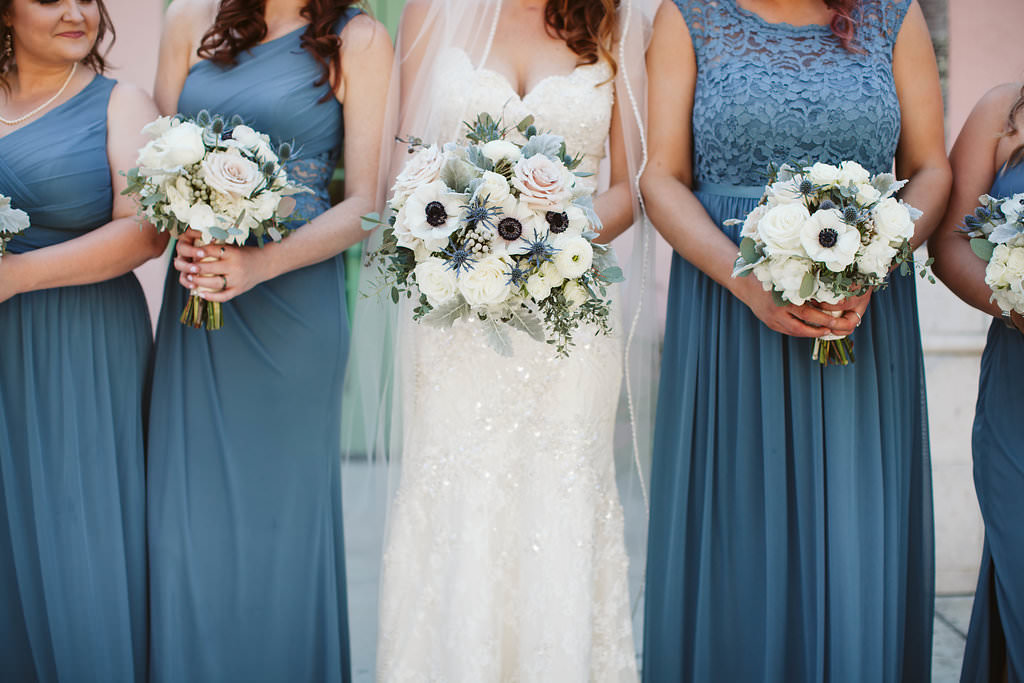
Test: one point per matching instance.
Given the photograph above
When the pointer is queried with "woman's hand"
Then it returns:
(852, 313)
(231, 272)
(796, 321)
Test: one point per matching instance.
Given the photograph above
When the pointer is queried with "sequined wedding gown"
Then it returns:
(505, 558)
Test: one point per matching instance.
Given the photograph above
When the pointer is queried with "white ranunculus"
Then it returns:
(867, 194)
(494, 187)
(180, 145)
(231, 173)
(435, 280)
(423, 168)
(787, 276)
(876, 258)
(780, 228)
(576, 294)
(544, 184)
(432, 213)
(852, 173)
(538, 287)
(828, 239)
(263, 206)
(549, 271)
(823, 174)
(574, 257)
(486, 283)
(892, 220)
(752, 221)
(496, 150)
(179, 198)
(201, 217)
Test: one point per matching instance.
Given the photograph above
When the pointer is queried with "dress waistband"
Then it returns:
(744, 191)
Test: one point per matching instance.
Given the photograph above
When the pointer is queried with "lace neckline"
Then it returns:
(775, 25)
(536, 86)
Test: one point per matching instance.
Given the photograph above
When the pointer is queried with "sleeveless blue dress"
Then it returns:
(791, 522)
(245, 520)
(996, 635)
(73, 374)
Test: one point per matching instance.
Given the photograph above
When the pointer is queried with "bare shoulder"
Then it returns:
(364, 32)
(996, 102)
(130, 106)
(187, 18)
(414, 14)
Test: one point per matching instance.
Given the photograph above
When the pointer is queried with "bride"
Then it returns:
(505, 557)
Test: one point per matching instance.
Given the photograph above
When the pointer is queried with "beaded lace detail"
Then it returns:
(770, 92)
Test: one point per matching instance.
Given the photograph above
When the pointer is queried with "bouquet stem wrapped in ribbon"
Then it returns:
(219, 177)
(826, 233)
(498, 232)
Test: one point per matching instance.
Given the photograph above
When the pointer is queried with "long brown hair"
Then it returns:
(1011, 129)
(241, 25)
(588, 27)
(843, 26)
(94, 60)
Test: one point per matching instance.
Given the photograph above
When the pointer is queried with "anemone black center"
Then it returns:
(436, 215)
(510, 229)
(558, 221)
(828, 238)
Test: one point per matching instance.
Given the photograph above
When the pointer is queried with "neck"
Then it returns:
(282, 11)
(31, 77)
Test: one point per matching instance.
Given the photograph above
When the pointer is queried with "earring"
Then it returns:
(8, 44)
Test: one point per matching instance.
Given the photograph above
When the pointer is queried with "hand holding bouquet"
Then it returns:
(12, 221)
(826, 233)
(498, 232)
(222, 179)
(996, 229)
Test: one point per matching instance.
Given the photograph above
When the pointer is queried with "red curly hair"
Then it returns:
(240, 25)
(844, 28)
(588, 27)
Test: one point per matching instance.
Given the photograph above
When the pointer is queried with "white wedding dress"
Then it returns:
(505, 559)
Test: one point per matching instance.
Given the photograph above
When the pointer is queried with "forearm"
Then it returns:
(681, 219)
(962, 271)
(928, 191)
(614, 207)
(324, 237)
(107, 252)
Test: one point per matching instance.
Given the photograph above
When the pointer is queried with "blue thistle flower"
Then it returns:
(972, 222)
(516, 276)
(459, 259)
(982, 213)
(478, 213)
(851, 215)
(538, 250)
(827, 204)
(806, 187)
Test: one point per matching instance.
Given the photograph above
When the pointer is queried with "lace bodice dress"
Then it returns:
(791, 527)
(505, 559)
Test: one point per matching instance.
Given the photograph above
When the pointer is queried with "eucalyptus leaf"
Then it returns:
(748, 250)
(777, 297)
(983, 248)
(807, 285)
(613, 274)
(370, 221)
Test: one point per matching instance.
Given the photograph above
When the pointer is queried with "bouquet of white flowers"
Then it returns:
(996, 229)
(12, 221)
(498, 232)
(219, 177)
(825, 233)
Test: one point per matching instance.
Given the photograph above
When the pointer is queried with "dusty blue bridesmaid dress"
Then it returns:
(996, 635)
(73, 367)
(246, 545)
(791, 520)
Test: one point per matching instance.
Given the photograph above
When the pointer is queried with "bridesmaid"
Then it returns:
(75, 340)
(246, 546)
(987, 158)
(791, 519)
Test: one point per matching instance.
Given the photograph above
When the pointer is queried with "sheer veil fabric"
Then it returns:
(376, 419)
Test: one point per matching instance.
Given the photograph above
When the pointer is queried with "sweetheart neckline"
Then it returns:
(536, 86)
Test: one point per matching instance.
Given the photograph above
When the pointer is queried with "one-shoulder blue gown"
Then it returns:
(245, 518)
(73, 372)
(791, 519)
(996, 636)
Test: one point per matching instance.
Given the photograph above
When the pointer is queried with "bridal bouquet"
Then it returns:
(996, 229)
(220, 178)
(825, 233)
(497, 232)
(12, 221)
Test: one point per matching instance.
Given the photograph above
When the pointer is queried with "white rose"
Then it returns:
(575, 294)
(201, 217)
(823, 174)
(867, 194)
(496, 150)
(256, 143)
(876, 258)
(423, 168)
(231, 173)
(574, 256)
(157, 127)
(828, 239)
(784, 192)
(787, 276)
(180, 145)
(538, 287)
(432, 213)
(995, 272)
(781, 227)
(543, 183)
(751, 222)
(179, 198)
(494, 187)
(892, 220)
(852, 173)
(435, 280)
(1015, 265)
(263, 206)
(486, 283)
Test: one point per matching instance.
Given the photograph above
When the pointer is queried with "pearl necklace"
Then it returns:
(44, 105)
